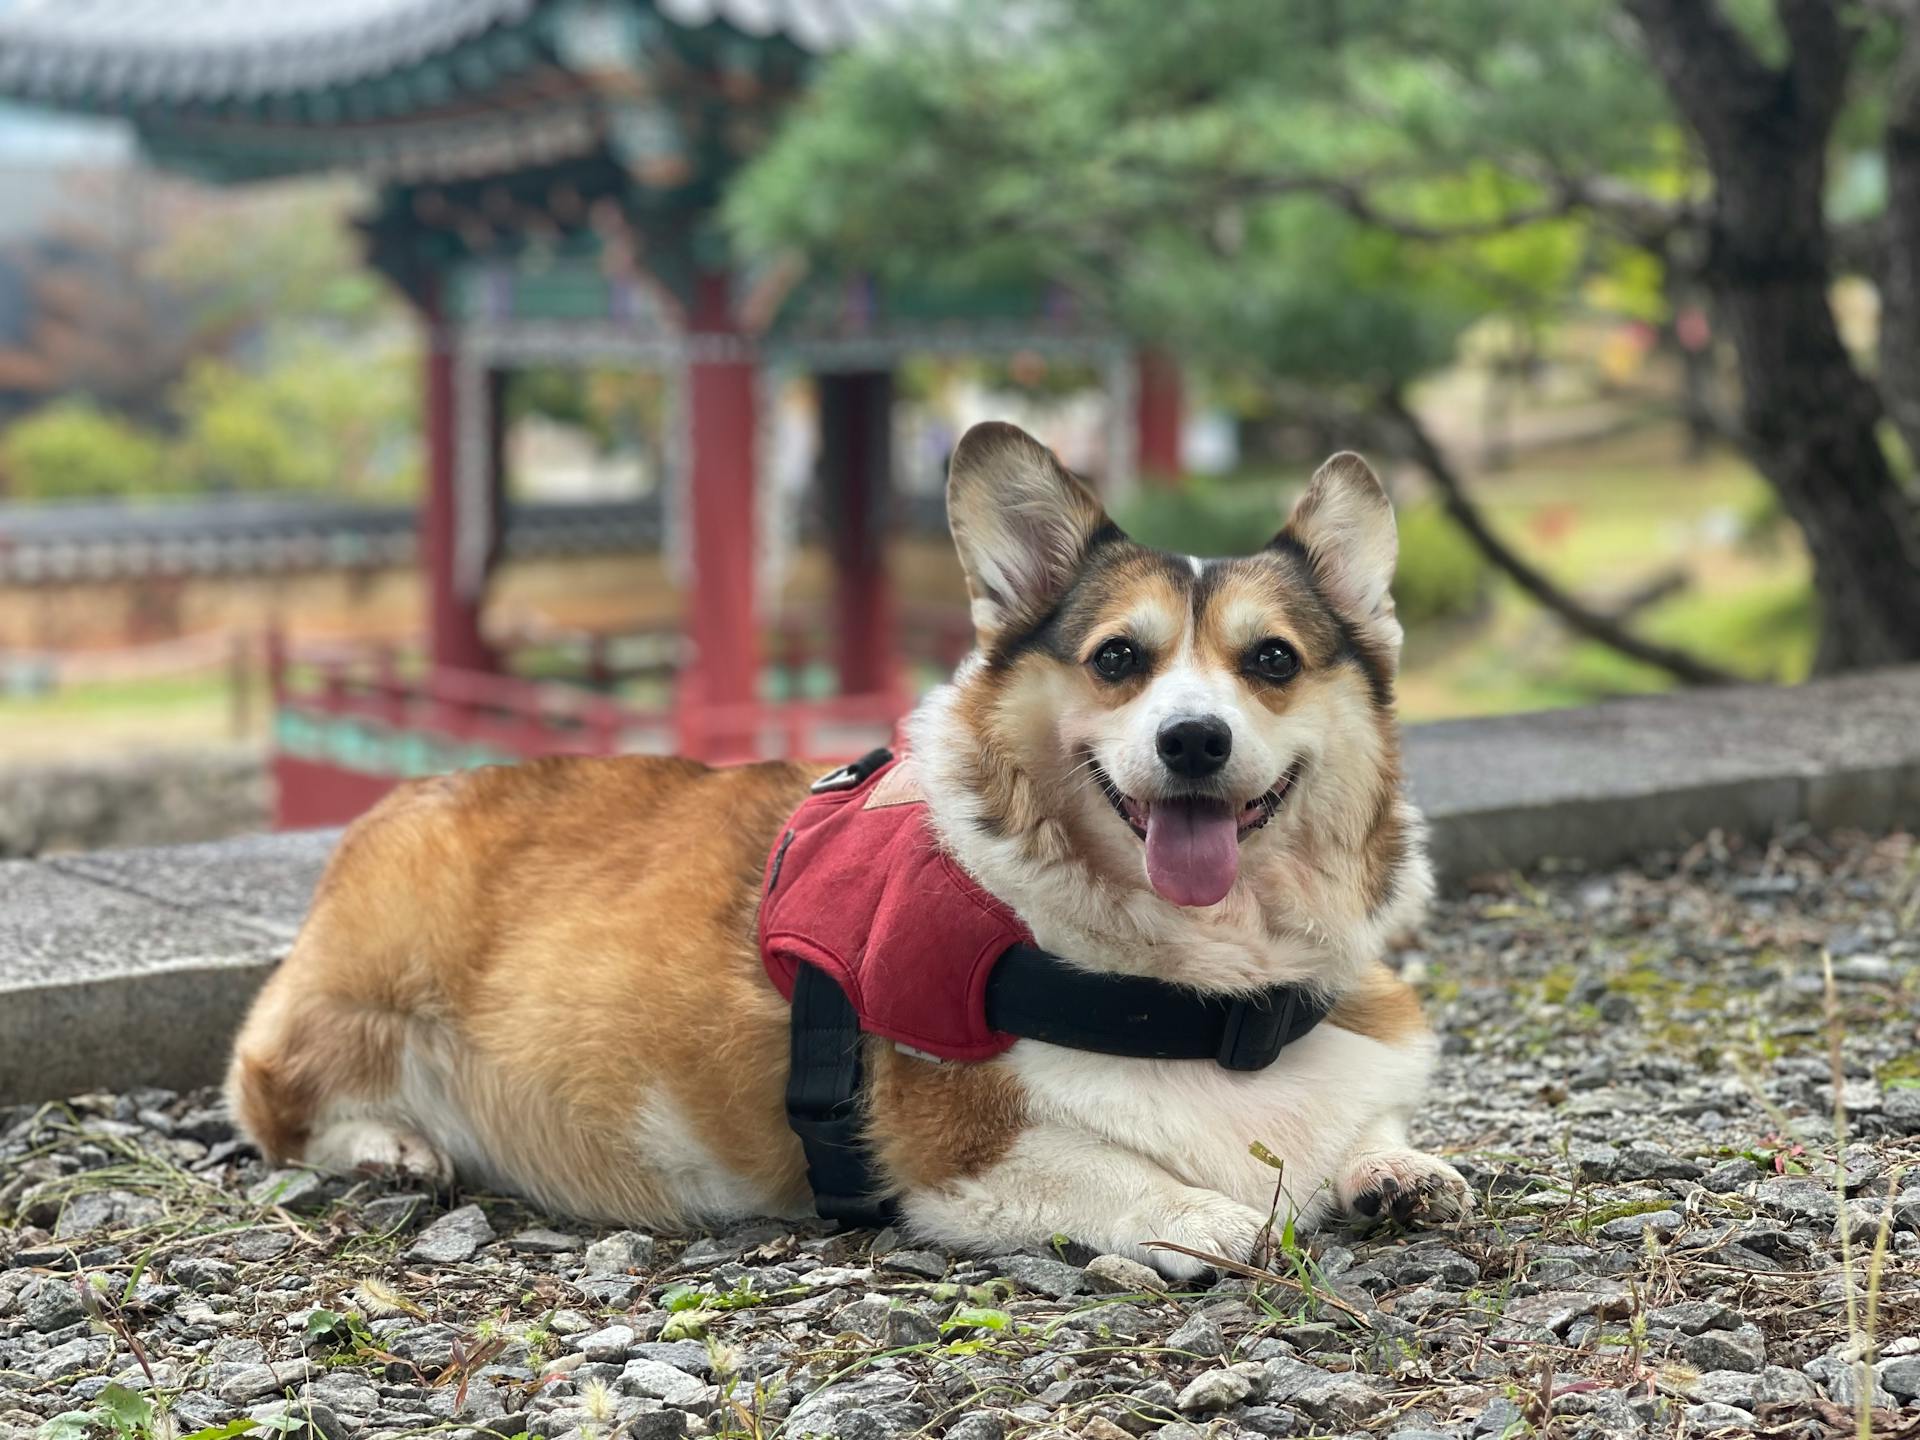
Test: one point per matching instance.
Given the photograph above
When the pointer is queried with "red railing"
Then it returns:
(351, 723)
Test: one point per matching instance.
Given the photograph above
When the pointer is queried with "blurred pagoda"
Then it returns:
(547, 175)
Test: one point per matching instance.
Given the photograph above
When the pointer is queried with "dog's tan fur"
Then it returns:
(547, 977)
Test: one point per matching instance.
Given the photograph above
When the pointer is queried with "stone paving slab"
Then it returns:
(261, 882)
(1600, 784)
(121, 968)
(100, 986)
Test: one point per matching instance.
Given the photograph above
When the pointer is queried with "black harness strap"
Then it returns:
(826, 1103)
(1036, 995)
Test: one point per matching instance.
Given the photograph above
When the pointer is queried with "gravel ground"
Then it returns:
(1637, 1084)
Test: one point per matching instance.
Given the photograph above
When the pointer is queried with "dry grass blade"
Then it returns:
(1254, 1272)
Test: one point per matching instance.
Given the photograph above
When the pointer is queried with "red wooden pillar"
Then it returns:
(453, 618)
(1157, 416)
(856, 461)
(720, 616)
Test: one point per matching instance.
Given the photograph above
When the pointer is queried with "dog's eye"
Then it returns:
(1275, 660)
(1116, 660)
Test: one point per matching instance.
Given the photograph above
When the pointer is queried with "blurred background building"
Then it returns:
(407, 384)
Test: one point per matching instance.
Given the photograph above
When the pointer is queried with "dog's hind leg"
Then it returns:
(318, 1082)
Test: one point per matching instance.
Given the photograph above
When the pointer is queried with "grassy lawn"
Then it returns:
(1604, 521)
(108, 718)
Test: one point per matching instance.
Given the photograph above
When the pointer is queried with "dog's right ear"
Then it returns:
(1021, 522)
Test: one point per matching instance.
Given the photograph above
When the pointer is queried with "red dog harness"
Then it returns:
(868, 926)
(859, 888)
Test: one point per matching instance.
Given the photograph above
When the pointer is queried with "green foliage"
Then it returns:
(1216, 175)
(1441, 575)
(72, 450)
(315, 417)
(975, 1317)
(319, 417)
(1205, 515)
(284, 260)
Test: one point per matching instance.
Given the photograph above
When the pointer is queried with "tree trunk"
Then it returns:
(1809, 416)
(1898, 274)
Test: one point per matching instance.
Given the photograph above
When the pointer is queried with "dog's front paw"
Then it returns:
(1207, 1222)
(1406, 1186)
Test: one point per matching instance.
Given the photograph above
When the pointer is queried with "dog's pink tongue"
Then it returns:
(1193, 851)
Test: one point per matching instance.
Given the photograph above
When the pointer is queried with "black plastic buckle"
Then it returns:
(1256, 1032)
(852, 774)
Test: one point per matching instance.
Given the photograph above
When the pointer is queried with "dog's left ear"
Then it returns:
(1021, 522)
(1344, 522)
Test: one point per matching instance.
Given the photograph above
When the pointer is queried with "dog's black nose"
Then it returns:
(1195, 747)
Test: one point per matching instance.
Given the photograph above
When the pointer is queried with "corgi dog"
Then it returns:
(545, 978)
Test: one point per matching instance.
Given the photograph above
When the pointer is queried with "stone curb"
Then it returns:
(127, 968)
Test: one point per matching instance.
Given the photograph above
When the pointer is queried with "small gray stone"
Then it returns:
(1198, 1336)
(659, 1381)
(1555, 1310)
(688, 1355)
(343, 1390)
(452, 1238)
(1499, 1417)
(1902, 1107)
(266, 1242)
(294, 1189)
(390, 1214)
(1643, 1160)
(908, 1327)
(542, 1242)
(1842, 1378)
(1710, 1417)
(1430, 1263)
(1748, 1390)
(620, 1253)
(866, 1316)
(1213, 1390)
(201, 1274)
(1662, 1223)
(105, 1210)
(52, 1304)
(253, 1382)
(1053, 1278)
(428, 1347)
(1345, 1399)
(303, 1420)
(64, 1360)
(1276, 1420)
(1741, 1349)
(1796, 1197)
(1901, 1377)
(1593, 1161)
(977, 1426)
(608, 1345)
(1731, 1175)
(1690, 1317)
(927, 1264)
(657, 1425)
(1117, 1275)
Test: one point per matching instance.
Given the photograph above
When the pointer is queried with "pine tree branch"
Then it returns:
(1577, 616)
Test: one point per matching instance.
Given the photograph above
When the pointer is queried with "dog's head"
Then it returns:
(1173, 718)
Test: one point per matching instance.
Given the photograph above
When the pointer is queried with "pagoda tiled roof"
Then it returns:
(127, 54)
